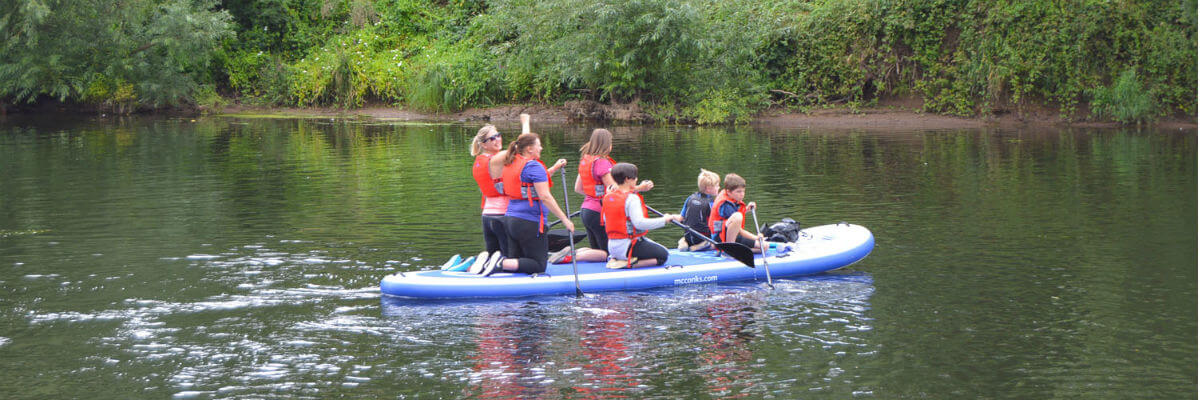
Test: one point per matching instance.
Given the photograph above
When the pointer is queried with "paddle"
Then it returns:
(762, 245)
(736, 250)
(567, 201)
(559, 221)
(558, 238)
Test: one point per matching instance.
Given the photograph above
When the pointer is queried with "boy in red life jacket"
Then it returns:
(626, 222)
(728, 216)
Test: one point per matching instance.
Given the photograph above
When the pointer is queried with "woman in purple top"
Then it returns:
(527, 184)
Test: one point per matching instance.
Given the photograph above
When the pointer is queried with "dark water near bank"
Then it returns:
(239, 258)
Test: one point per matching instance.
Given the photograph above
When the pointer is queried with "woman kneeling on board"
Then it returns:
(485, 145)
(527, 184)
(626, 223)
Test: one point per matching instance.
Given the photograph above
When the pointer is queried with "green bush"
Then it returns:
(710, 61)
(452, 78)
(112, 95)
(1126, 101)
(258, 77)
(609, 49)
(348, 70)
(723, 106)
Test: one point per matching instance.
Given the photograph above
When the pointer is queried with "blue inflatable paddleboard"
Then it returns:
(819, 249)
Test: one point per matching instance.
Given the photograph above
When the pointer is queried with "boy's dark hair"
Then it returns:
(623, 171)
(734, 181)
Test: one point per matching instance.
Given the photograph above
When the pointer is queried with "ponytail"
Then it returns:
(518, 146)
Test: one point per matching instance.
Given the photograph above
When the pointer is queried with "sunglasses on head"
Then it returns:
(496, 136)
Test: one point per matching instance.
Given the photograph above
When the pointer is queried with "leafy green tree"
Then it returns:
(134, 52)
(611, 48)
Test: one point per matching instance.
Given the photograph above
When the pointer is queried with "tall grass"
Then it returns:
(1126, 101)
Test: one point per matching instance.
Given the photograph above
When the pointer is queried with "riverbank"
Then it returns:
(896, 115)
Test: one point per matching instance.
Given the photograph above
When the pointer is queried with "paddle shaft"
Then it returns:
(762, 245)
(556, 222)
(685, 227)
(567, 202)
(736, 250)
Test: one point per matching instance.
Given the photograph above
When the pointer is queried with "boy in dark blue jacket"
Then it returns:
(696, 209)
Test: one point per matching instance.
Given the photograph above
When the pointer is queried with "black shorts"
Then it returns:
(527, 245)
(743, 240)
(597, 238)
(495, 236)
(747, 242)
(645, 249)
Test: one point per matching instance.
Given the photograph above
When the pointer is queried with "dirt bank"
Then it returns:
(896, 115)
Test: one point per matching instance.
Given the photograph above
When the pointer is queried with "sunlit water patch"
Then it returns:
(629, 344)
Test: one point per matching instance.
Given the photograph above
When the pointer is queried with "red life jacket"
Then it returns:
(511, 179)
(488, 186)
(716, 224)
(616, 223)
(515, 189)
(592, 187)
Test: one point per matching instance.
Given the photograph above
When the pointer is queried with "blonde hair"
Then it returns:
(734, 181)
(477, 142)
(707, 179)
(599, 144)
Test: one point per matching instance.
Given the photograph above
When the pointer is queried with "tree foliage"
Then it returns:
(710, 61)
(121, 53)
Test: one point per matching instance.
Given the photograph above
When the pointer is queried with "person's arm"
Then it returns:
(745, 233)
(633, 208)
(609, 182)
(496, 164)
(557, 164)
(543, 192)
(579, 185)
(644, 186)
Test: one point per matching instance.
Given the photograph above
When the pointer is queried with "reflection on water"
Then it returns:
(512, 345)
(710, 341)
(231, 258)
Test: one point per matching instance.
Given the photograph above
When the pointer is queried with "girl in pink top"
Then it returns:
(593, 181)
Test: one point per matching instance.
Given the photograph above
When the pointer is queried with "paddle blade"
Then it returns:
(739, 252)
(559, 238)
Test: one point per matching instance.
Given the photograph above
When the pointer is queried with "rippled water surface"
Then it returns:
(240, 258)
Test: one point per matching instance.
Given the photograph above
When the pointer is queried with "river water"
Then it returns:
(240, 258)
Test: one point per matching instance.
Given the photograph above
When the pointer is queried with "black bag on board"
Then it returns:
(786, 230)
